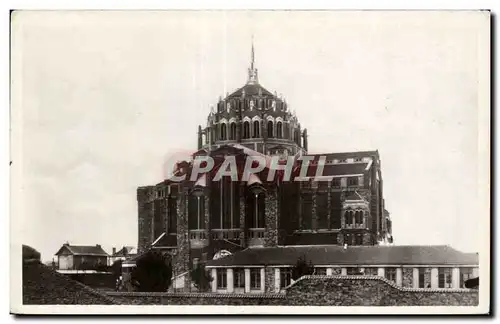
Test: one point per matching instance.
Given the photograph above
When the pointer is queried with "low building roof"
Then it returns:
(30, 253)
(44, 286)
(352, 255)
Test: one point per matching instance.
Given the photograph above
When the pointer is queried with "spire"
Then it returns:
(252, 71)
(253, 56)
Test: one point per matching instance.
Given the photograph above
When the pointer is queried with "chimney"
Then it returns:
(114, 250)
(98, 245)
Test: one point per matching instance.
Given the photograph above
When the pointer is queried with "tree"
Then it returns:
(116, 269)
(201, 278)
(101, 267)
(302, 268)
(153, 272)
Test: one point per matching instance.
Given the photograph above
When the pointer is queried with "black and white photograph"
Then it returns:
(250, 162)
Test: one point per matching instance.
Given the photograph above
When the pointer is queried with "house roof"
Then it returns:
(44, 286)
(125, 251)
(353, 255)
(93, 250)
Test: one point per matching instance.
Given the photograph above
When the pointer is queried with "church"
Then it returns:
(245, 227)
(195, 220)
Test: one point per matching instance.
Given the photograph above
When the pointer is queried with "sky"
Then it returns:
(100, 99)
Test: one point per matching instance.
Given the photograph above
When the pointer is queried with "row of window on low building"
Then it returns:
(255, 277)
(419, 277)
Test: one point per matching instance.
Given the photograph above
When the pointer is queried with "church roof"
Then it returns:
(352, 255)
(354, 195)
(165, 241)
(338, 169)
(251, 90)
(346, 155)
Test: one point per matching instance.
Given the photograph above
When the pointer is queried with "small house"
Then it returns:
(81, 257)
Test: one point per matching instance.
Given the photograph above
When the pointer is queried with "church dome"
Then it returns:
(253, 117)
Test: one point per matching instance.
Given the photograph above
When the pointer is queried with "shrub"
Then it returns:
(201, 278)
(153, 272)
(302, 268)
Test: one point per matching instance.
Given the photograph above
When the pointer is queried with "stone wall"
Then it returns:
(136, 298)
(318, 291)
(371, 291)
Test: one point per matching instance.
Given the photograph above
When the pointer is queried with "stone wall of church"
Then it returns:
(367, 239)
(182, 260)
(145, 202)
(271, 218)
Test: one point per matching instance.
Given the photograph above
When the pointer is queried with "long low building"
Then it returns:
(269, 269)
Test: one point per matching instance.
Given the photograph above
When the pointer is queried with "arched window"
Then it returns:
(349, 217)
(223, 132)
(359, 217)
(279, 130)
(256, 129)
(297, 137)
(270, 128)
(246, 129)
(232, 131)
(257, 208)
